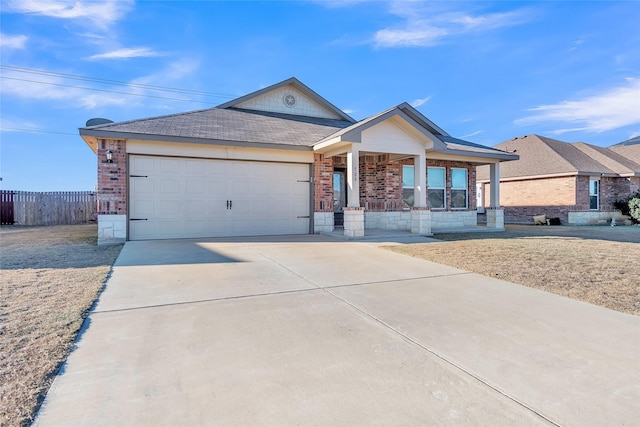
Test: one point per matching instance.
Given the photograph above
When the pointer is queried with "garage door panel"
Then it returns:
(169, 186)
(188, 198)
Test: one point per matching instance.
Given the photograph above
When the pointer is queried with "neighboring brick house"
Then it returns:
(575, 182)
(283, 160)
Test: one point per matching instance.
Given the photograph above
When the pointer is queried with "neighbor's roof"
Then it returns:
(630, 151)
(224, 124)
(541, 156)
(631, 141)
(615, 161)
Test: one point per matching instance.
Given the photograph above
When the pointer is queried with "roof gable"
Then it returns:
(290, 97)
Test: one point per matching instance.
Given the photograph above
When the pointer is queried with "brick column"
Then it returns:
(322, 194)
(112, 192)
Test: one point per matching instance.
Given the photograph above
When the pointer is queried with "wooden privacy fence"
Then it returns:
(50, 208)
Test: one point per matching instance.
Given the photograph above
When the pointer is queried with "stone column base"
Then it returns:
(354, 222)
(421, 221)
(112, 229)
(323, 222)
(495, 218)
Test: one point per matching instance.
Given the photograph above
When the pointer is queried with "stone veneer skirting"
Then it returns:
(112, 229)
(400, 220)
(453, 219)
(596, 217)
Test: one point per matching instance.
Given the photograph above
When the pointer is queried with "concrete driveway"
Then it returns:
(312, 331)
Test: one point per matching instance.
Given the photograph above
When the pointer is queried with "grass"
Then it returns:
(49, 279)
(598, 265)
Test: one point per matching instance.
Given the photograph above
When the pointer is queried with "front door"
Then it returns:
(339, 197)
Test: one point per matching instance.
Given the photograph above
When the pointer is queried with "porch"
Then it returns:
(398, 171)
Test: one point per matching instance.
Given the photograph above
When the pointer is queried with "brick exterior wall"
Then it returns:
(112, 178)
(471, 180)
(380, 181)
(634, 184)
(556, 197)
(322, 183)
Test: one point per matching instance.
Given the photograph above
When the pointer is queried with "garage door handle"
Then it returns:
(138, 176)
(138, 219)
(229, 204)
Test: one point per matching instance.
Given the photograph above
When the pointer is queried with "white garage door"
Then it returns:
(173, 197)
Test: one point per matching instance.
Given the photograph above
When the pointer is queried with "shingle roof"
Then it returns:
(462, 145)
(541, 156)
(632, 141)
(631, 151)
(610, 159)
(231, 124)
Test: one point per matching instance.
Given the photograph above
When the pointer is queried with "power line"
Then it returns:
(114, 82)
(37, 130)
(105, 90)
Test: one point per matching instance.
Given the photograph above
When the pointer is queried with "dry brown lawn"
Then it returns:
(596, 264)
(49, 279)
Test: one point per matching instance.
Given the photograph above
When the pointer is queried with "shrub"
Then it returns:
(630, 207)
(634, 209)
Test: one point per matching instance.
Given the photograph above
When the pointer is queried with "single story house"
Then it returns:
(283, 160)
(575, 182)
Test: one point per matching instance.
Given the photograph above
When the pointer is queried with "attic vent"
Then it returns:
(98, 121)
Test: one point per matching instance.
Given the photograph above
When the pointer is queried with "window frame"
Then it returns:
(407, 187)
(596, 195)
(466, 188)
(443, 189)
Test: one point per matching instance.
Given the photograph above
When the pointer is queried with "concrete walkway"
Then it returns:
(308, 330)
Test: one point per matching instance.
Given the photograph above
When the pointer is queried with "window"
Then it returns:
(436, 184)
(594, 187)
(458, 188)
(408, 176)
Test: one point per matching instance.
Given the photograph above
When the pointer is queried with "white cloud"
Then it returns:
(428, 24)
(101, 13)
(469, 135)
(612, 109)
(175, 71)
(127, 53)
(420, 101)
(13, 42)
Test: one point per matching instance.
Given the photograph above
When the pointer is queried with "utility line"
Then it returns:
(105, 90)
(36, 130)
(113, 82)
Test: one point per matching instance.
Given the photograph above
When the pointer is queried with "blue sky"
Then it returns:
(483, 71)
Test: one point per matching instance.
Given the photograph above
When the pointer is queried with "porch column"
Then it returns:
(420, 181)
(353, 180)
(495, 214)
(353, 213)
(494, 181)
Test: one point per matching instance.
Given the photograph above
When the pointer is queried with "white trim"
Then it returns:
(444, 189)
(466, 189)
